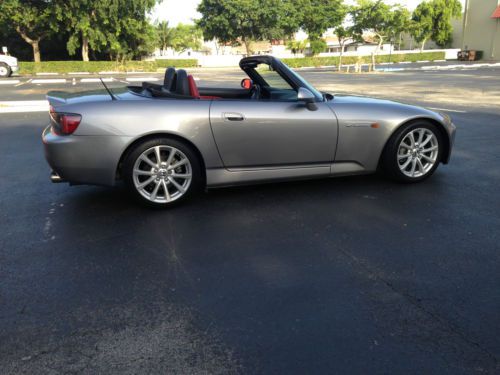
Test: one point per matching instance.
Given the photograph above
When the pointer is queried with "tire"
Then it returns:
(179, 173)
(5, 70)
(403, 162)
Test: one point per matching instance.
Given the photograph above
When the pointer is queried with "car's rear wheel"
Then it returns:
(162, 172)
(5, 70)
(413, 153)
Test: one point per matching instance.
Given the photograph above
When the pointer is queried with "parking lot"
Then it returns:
(348, 275)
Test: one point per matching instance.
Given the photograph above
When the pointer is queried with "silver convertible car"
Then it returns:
(167, 141)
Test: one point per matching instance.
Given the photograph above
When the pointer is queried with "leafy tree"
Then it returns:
(297, 46)
(432, 20)
(343, 34)
(383, 20)
(85, 20)
(317, 45)
(186, 37)
(33, 20)
(316, 16)
(117, 27)
(164, 35)
(239, 21)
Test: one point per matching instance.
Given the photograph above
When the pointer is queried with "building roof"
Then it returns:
(496, 13)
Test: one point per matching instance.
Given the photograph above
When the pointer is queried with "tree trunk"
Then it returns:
(381, 40)
(36, 51)
(35, 44)
(423, 44)
(85, 48)
(340, 57)
(247, 45)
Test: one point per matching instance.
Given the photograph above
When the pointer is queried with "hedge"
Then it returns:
(102, 66)
(300, 62)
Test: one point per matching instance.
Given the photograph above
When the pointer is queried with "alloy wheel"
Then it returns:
(418, 152)
(162, 174)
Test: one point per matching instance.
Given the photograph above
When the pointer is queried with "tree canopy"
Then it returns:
(432, 20)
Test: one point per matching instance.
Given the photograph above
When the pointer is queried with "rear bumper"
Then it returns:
(14, 68)
(83, 159)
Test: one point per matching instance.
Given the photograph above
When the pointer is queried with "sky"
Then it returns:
(184, 11)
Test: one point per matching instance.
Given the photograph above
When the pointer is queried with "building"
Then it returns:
(481, 29)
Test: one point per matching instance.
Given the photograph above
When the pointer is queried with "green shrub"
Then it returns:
(100, 66)
(300, 62)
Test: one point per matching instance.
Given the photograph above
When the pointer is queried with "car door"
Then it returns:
(273, 134)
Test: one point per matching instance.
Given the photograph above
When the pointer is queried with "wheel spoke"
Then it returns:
(146, 183)
(420, 166)
(173, 151)
(144, 173)
(147, 160)
(405, 145)
(413, 167)
(420, 136)
(155, 190)
(404, 156)
(430, 149)
(427, 140)
(165, 188)
(182, 162)
(158, 155)
(176, 184)
(406, 164)
(427, 158)
(183, 176)
(412, 139)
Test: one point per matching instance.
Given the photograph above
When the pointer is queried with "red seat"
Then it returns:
(195, 93)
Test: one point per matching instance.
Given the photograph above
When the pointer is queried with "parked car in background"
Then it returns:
(8, 65)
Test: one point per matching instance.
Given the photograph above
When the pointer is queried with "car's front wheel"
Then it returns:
(162, 172)
(413, 153)
(5, 70)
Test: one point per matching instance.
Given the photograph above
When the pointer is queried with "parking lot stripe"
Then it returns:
(20, 106)
(140, 79)
(54, 80)
(91, 80)
(10, 82)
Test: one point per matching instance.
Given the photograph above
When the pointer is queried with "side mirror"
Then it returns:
(246, 83)
(306, 96)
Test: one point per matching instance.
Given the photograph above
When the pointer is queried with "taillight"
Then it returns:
(65, 123)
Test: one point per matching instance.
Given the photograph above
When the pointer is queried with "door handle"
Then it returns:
(233, 116)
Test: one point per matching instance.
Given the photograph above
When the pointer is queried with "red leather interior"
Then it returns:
(194, 92)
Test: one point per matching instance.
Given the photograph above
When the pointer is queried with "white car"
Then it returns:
(8, 65)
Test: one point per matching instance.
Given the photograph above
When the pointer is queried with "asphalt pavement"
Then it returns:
(347, 276)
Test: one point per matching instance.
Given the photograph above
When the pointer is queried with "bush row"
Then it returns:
(300, 62)
(100, 66)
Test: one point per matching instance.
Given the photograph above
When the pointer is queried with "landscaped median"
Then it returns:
(64, 67)
(301, 62)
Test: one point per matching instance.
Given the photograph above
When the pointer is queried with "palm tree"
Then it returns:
(165, 35)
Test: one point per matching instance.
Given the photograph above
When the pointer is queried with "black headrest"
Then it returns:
(168, 81)
(181, 83)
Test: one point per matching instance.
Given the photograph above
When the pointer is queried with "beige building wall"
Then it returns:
(482, 32)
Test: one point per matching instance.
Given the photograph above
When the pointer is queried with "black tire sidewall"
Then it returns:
(9, 71)
(389, 158)
(130, 159)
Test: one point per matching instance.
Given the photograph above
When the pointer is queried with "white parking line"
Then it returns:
(10, 82)
(91, 80)
(54, 80)
(140, 79)
(24, 106)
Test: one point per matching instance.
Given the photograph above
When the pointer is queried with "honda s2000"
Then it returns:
(167, 141)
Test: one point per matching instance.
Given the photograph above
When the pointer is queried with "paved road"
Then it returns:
(349, 275)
